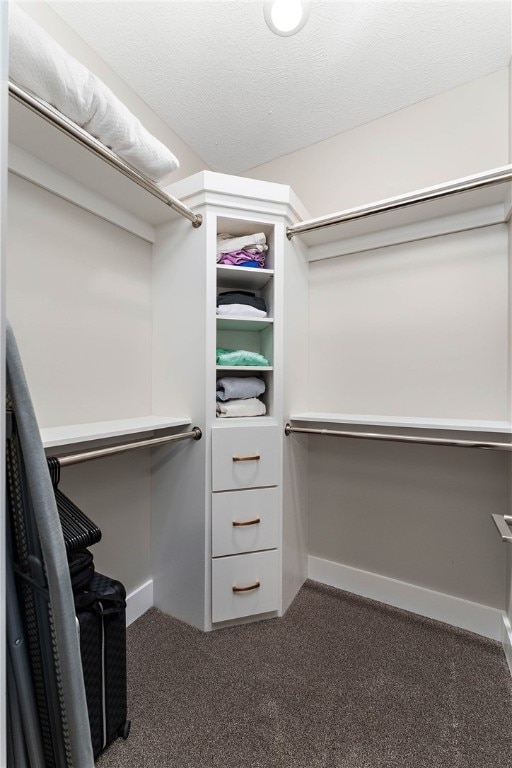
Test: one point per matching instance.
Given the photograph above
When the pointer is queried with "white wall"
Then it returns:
(419, 329)
(79, 300)
(189, 162)
(419, 514)
(451, 135)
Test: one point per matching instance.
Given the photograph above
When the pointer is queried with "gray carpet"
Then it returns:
(340, 682)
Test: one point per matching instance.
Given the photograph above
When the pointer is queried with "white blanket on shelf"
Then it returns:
(234, 408)
(39, 64)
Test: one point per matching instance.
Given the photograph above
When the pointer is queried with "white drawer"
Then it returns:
(245, 521)
(245, 457)
(230, 574)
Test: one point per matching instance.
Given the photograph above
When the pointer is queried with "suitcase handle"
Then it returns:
(102, 604)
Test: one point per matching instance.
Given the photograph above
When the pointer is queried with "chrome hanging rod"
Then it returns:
(478, 181)
(78, 458)
(74, 131)
(489, 446)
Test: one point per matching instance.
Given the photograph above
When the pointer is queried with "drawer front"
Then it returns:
(245, 457)
(245, 521)
(242, 571)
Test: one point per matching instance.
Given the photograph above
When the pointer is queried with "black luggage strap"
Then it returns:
(101, 604)
(36, 578)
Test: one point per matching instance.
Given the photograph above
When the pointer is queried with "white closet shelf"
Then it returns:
(229, 276)
(484, 206)
(405, 422)
(240, 323)
(245, 368)
(244, 421)
(81, 433)
(56, 162)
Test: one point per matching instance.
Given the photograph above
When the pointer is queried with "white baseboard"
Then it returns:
(481, 619)
(506, 639)
(139, 601)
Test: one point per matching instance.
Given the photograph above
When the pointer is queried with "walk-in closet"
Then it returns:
(256, 345)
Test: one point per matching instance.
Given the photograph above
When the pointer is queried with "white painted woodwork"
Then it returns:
(295, 395)
(403, 422)
(139, 601)
(473, 617)
(235, 368)
(36, 170)
(233, 323)
(243, 277)
(58, 163)
(243, 571)
(438, 216)
(228, 445)
(80, 433)
(184, 381)
(506, 640)
(261, 507)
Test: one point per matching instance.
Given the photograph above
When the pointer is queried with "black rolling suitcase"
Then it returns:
(101, 615)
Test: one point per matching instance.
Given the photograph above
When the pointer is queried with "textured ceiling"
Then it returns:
(241, 96)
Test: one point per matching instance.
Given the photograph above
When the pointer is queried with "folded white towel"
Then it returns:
(227, 243)
(242, 310)
(233, 408)
(39, 64)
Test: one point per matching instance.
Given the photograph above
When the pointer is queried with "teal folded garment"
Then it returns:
(239, 357)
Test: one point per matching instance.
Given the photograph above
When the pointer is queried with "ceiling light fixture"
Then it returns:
(285, 17)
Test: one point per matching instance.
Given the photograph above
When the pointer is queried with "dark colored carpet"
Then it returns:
(340, 682)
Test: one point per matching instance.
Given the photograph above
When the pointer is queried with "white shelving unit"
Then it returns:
(239, 460)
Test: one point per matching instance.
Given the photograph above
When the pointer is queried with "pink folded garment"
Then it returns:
(239, 258)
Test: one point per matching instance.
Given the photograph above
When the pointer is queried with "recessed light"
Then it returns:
(285, 17)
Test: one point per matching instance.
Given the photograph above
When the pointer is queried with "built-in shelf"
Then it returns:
(81, 433)
(244, 421)
(245, 368)
(242, 277)
(462, 211)
(232, 323)
(456, 425)
(43, 154)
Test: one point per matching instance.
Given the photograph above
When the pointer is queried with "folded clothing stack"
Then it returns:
(238, 396)
(244, 303)
(239, 357)
(246, 251)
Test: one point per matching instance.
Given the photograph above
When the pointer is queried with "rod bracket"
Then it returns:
(198, 433)
(288, 429)
(196, 224)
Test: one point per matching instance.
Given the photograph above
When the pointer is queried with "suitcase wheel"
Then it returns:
(124, 730)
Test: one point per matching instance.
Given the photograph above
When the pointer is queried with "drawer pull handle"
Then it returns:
(256, 585)
(255, 457)
(238, 523)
